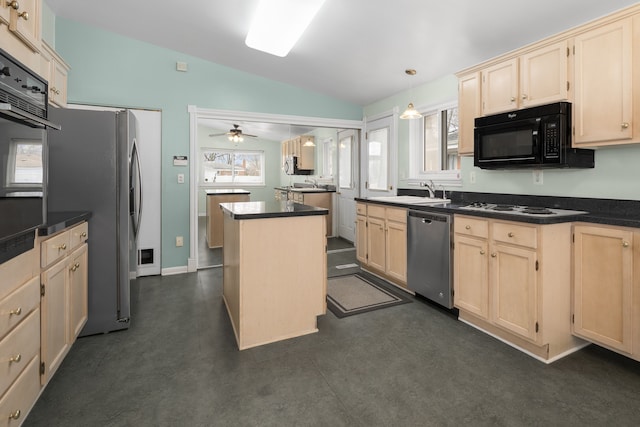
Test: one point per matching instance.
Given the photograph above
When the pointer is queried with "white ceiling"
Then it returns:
(354, 50)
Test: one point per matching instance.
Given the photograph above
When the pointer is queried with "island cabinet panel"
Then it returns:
(603, 286)
(275, 273)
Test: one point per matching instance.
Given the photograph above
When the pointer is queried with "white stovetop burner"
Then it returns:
(521, 210)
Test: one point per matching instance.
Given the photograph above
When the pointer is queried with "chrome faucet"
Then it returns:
(312, 181)
(430, 187)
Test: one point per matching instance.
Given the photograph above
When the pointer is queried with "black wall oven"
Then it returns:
(537, 137)
(23, 156)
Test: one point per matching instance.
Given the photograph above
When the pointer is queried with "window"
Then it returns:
(328, 154)
(232, 167)
(434, 145)
(25, 166)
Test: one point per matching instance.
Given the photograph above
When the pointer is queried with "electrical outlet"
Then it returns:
(179, 241)
(537, 177)
(472, 177)
(180, 178)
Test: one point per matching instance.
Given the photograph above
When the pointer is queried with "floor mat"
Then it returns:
(355, 294)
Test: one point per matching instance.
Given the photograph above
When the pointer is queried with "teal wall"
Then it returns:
(616, 174)
(108, 69)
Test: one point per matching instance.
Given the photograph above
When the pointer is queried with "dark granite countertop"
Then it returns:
(307, 189)
(270, 209)
(625, 213)
(57, 221)
(221, 191)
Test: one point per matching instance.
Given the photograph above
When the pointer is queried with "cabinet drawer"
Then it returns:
(18, 348)
(376, 211)
(79, 234)
(398, 215)
(361, 209)
(17, 305)
(54, 248)
(21, 396)
(516, 234)
(471, 226)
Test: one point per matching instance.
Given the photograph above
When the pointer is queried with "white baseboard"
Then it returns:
(175, 270)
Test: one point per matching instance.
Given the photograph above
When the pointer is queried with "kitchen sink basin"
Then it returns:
(308, 189)
(410, 200)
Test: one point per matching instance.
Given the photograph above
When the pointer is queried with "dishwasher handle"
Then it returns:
(428, 217)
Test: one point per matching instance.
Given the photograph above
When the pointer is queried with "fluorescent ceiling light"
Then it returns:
(278, 24)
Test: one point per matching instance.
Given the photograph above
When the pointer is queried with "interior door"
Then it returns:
(347, 183)
(379, 158)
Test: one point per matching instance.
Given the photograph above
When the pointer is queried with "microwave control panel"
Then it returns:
(551, 142)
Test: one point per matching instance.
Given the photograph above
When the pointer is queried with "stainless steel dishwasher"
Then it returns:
(429, 256)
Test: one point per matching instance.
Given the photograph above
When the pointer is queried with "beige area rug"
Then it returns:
(357, 293)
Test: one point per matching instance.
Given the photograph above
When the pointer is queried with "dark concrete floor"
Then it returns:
(409, 365)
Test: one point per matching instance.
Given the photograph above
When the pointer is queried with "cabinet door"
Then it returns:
(58, 84)
(470, 275)
(603, 84)
(512, 275)
(25, 23)
(376, 243)
(53, 318)
(361, 239)
(469, 103)
(77, 292)
(602, 292)
(544, 75)
(5, 12)
(500, 87)
(396, 256)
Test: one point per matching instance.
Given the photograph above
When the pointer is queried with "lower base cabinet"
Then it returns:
(513, 281)
(606, 287)
(381, 241)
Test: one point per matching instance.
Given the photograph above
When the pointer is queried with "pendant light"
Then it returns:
(410, 112)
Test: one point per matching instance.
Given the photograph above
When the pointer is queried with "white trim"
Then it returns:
(170, 271)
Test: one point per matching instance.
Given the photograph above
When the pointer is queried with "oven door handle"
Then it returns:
(7, 110)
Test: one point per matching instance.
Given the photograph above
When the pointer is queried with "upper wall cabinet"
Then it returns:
(55, 71)
(534, 78)
(5, 12)
(25, 21)
(594, 66)
(604, 85)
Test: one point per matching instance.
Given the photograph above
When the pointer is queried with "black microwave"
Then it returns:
(536, 137)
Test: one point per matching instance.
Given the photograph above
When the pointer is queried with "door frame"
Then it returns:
(392, 185)
(196, 113)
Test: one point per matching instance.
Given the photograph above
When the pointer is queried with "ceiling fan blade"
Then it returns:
(217, 134)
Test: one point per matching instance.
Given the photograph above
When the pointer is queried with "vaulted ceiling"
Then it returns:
(354, 50)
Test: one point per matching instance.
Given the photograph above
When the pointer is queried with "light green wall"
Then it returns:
(108, 69)
(616, 174)
(272, 154)
(48, 28)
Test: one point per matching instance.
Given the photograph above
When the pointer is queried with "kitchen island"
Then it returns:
(216, 196)
(275, 270)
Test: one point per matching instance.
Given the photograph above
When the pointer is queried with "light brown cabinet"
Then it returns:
(55, 71)
(469, 107)
(302, 147)
(511, 280)
(19, 336)
(536, 77)
(606, 307)
(381, 241)
(603, 110)
(24, 21)
(64, 293)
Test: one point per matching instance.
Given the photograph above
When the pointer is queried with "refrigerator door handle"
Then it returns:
(135, 189)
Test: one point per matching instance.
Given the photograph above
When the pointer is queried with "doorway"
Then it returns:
(262, 191)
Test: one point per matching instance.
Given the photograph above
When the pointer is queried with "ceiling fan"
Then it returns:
(235, 134)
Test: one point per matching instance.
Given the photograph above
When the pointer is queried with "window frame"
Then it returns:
(448, 177)
(233, 182)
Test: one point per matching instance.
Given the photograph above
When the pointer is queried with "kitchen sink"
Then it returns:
(410, 200)
(308, 189)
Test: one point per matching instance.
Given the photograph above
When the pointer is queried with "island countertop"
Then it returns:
(270, 209)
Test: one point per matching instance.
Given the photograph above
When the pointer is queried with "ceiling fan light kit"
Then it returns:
(278, 24)
(410, 112)
(234, 135)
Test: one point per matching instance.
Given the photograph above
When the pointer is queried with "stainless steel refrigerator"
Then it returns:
(94, 166)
